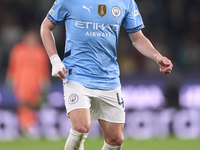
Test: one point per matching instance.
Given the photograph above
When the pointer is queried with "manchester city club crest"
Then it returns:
(116, 11)
(73, 98)
(102, 10)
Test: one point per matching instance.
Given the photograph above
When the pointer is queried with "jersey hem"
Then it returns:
(105, 87)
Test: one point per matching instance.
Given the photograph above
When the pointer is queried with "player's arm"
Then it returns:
(46, 32)
(145, 47)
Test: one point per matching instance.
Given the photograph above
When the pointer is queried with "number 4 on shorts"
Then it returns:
(120, 102)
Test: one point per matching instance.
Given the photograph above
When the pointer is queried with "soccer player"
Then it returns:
(28, 72)
(89, 69)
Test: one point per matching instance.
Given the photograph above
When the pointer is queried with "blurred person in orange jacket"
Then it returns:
(28, 72)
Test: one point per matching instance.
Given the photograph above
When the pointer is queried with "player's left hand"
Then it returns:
(165, 64)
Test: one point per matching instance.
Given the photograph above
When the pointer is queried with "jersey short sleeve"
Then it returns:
(58, 12)
(133, 21)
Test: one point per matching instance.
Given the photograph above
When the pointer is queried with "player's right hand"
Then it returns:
(58, 69)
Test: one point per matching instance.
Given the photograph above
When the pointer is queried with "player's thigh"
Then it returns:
(77, 105)
(75, 97)
(110, 106)
(112, 132)
(80, 120)
(113, 116)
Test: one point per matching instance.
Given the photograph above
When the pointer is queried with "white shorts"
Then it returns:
(104, 105)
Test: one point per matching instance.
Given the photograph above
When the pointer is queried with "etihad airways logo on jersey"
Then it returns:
(98, 28)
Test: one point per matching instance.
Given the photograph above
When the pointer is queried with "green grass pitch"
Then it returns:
(170, 143)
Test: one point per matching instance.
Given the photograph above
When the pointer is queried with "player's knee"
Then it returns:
(119, 141)
(82, 128)
(115, 140)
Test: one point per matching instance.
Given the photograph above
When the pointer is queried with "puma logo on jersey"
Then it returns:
(87, 8)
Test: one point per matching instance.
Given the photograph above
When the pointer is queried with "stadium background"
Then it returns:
(157, 105)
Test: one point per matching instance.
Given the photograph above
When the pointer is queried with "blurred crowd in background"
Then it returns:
(171, 25)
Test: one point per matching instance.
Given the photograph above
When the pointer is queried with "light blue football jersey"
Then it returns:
(92, 30)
